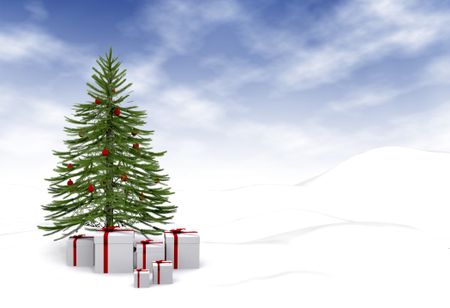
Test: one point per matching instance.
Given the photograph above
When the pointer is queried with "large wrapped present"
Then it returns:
(80, 250)
(142, 278)
(182, 248)
(114, 250)
(148, 251)
(162, 272)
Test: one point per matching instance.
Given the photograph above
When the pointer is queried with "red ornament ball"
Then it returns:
(98, 101)
(69, 166)
(91, 188)
(69, 182)
(136, 146)
(117, 111)
(105, 152)
(124, 178)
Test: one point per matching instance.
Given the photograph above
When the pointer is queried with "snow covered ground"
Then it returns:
(372, 232)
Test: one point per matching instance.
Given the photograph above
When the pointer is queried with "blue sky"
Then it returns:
(238, 91)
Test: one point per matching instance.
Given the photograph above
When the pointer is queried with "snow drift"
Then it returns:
(372, 232)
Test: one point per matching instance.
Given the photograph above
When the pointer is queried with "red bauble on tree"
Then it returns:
(117, 111)
(98, 101)
(124, 178)
(69, 166)
(91, 188)
(70, 182)
(136, 146)
(105, 152)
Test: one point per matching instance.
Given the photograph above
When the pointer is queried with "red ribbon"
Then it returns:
(75, 239)
(175, 233)
(139, 270)
(158, 262)
(105, 243)
(144, 251)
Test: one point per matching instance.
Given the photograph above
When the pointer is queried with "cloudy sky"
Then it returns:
(238, 92)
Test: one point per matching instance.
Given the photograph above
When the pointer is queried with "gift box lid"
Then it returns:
(116, 237)
(183, 238)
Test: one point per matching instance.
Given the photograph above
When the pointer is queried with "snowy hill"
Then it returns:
(371, 232)
(389, 184)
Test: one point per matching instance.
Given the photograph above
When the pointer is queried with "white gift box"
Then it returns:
(148, 251)
(162, 272)
(142, 278)
(80, 250)
(182, 248)
(115, 255)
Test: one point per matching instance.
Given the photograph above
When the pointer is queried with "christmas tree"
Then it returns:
(109, 175)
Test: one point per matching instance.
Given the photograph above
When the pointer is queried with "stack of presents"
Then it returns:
(116, 250)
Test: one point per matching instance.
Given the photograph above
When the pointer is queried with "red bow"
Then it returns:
(77, 236)
(108, 228)
(177, 230)
(150, 242)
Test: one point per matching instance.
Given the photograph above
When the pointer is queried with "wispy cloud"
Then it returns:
(180, 24)
(146, 73)
(437, 71)
(184, 107)
(36, 10)
(371, 96)
(31, 127)
(19, 44)
(354, 35)
(24, 42)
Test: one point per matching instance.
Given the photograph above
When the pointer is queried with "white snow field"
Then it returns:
(372, 232)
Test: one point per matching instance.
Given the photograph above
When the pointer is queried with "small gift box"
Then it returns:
(162, 272)
(114, 250)
(142, 278)
(80, 250)
(182, 248)
(148, 251)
